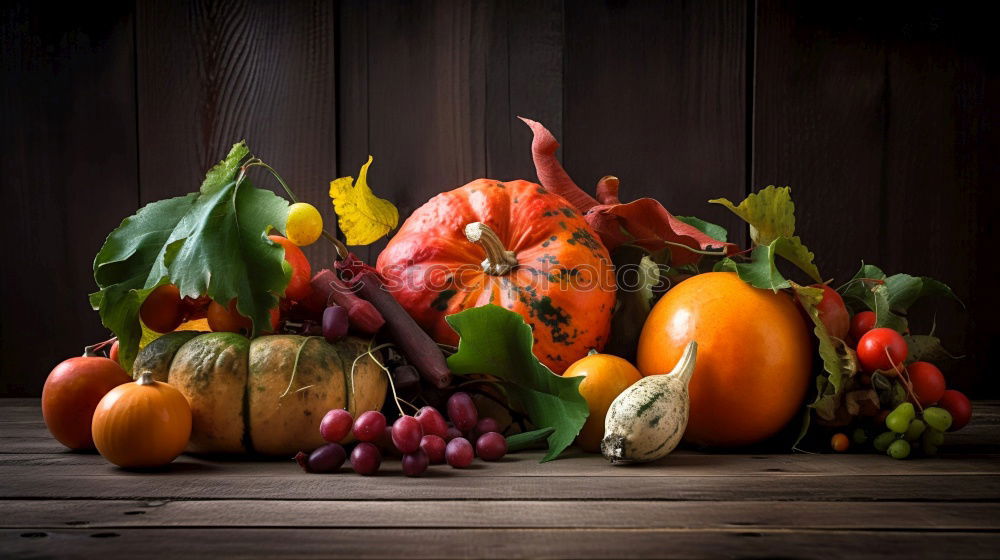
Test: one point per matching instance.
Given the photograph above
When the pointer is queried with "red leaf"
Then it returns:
(644, 222)
(550, 172)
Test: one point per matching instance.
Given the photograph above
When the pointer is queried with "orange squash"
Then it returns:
(142, 424)
(512, 244)
(605, 377)
(754, 356)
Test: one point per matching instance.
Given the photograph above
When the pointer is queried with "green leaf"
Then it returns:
(857, 291)
(926, 348)
(122, 268)
(761, 271)
(498, 342)
(869, 289)
(804, 426)
(890, 297)
(792, 249)
(839, 361)
(904, 290)
(524, 440)
(884, 317)
(213, 242)
(770, 213)
(714, 231)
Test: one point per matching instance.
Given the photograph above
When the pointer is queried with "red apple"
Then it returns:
(71, 394)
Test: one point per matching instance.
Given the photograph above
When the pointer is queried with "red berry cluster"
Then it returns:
(423, 439)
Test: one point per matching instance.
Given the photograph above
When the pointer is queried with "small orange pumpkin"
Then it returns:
(142, 424)
(605, 377)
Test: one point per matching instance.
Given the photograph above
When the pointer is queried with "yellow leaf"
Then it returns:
(770, 213)
(363, 217)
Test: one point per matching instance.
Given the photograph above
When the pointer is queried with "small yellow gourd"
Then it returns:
(142, 424)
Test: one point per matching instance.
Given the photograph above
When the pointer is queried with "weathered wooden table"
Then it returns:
(55, 503)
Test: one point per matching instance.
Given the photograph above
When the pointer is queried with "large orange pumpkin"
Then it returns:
(754, 356)
(512, 244)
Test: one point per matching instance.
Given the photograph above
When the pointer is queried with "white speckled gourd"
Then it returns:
(647, 420)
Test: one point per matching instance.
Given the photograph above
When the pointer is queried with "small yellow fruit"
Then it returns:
(605, 377)
(304, 224)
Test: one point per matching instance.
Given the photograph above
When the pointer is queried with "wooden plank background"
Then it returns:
(881, 118)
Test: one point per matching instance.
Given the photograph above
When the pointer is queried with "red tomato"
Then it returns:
(882, 349)
(71, 394)
(161, 310)
(959, 406)
(298, 287)
(113, 353)
(833, 312)
(928, 382)
(861, 323)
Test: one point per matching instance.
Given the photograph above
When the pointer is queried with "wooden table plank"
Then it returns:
(491, 543)
(748, 515)
(58, 503)
(444, 484)
(525, 464)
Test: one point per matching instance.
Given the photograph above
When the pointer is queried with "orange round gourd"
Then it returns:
(512, 244)
(605, 377)
(142, 424)
(754, 356)
(161, 311)
(228, 319)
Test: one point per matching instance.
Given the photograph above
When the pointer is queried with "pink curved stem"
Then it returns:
(550, 172)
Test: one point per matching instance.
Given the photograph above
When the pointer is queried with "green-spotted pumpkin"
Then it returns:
(265, 395)
(512, 244)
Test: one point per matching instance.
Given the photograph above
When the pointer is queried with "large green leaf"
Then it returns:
(497, 342)
(213, 242)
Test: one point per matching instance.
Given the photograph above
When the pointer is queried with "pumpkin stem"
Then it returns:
(499, 260)
(145, 378)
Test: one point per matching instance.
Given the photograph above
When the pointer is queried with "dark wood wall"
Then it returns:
(882, 119)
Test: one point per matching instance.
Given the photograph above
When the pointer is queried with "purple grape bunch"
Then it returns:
(421, 440)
